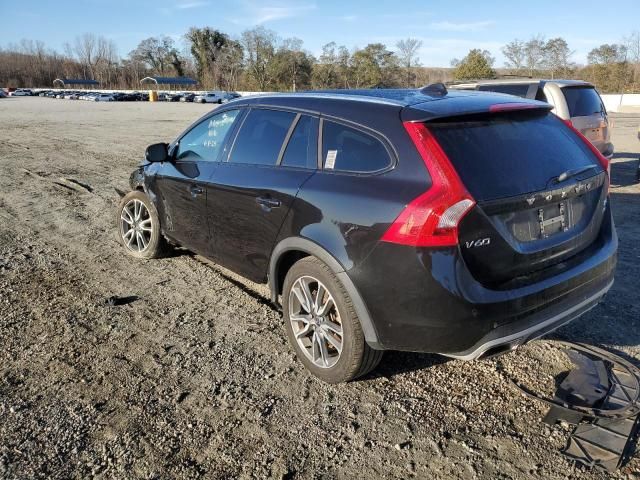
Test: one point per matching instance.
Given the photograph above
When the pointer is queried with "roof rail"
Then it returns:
(498, 77)
(467, 80)
(435, 90)
(513, 75)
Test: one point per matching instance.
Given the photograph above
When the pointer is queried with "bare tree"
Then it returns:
(408, 57)
(632, 42)
(85, 48)
(534, 54)
(515, 54)
(260, 48)
(344, 67)
(325, 71)
(557, 56)
(231, 60)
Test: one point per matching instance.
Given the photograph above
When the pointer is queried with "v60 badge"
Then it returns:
(481, 242)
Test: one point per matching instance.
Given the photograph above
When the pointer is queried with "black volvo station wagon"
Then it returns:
(460, 223)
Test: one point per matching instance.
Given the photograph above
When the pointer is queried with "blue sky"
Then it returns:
(447, 28)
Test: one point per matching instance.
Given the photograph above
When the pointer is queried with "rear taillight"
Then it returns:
(432, 219)
(604, 161)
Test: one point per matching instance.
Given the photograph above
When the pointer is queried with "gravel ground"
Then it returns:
(193, 377)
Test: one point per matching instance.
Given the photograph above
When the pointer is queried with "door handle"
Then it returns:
(196, 190)
(268, 203)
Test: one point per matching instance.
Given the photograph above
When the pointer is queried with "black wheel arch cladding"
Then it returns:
(311, 248)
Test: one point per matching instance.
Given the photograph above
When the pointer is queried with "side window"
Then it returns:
(519, 90)
(302, 149)
(350, 150)
(541, 96)
(204, 141)
(261, 135)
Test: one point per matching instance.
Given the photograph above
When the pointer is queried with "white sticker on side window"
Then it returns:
(330, 161)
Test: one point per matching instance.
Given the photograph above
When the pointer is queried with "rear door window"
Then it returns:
(348, 149)
(302, 149)
(204, 142)
(583, 101)
(261, 136)
(519, 90)
(499, 156)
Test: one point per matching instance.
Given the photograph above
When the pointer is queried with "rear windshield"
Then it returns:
(499, 156)
(583, 101)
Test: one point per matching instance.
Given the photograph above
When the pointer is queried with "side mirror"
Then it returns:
(158, 152)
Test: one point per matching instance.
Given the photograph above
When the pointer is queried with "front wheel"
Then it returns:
(322, 324)
(139, 226)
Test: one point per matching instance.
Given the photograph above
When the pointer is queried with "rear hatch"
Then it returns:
(588, 115)
(540, 193)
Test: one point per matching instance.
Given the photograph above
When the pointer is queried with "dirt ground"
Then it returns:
(193, 377)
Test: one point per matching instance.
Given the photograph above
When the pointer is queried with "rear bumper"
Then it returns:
(427, 301)
(507, 338)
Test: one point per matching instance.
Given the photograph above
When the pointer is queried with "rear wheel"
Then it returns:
(139, 226)
(322, 324)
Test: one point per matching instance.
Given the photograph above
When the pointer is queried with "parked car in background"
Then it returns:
(188, 97)
(21, 92)
(574, 101)
(103, 97)
(460, 223)
(211, 97)
(2, 94)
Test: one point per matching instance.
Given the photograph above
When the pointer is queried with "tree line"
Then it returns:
(260, 60)
(610, 67)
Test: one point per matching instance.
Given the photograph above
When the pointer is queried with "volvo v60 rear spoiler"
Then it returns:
(467, 103)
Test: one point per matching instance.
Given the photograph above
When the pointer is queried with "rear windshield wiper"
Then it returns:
(572, 173)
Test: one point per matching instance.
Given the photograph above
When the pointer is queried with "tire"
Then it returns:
(355, 358)
(146, 241)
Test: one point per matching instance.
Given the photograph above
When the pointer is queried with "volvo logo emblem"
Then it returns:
(531, 200)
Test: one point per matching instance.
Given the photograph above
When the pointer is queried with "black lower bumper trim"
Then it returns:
(487, 347)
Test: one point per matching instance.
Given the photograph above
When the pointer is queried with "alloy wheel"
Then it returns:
(315, 321)
(136, 226)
